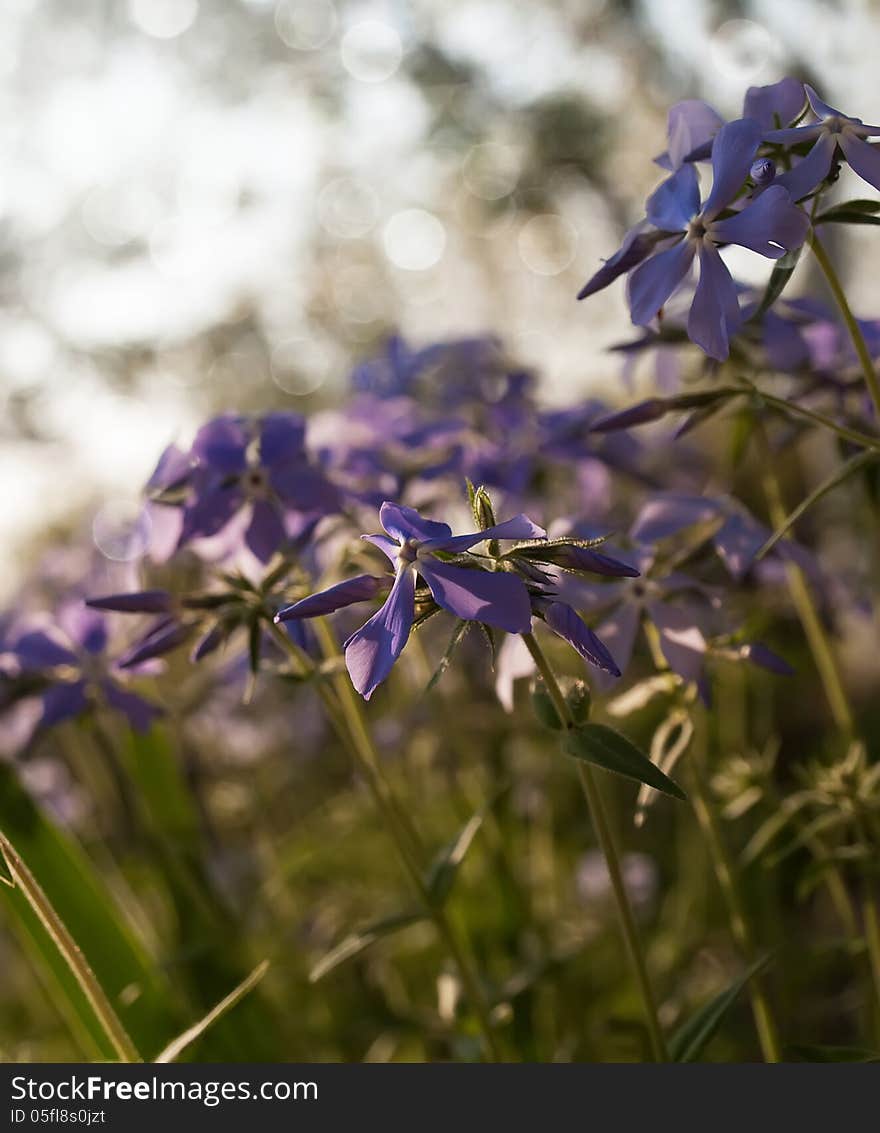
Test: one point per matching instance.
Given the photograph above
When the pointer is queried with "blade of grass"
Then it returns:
(177, 1046)
(73, 956)
(139, 992)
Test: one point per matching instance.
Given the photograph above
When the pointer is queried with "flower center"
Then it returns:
(256, 482)
(697, 229)
(409, 551)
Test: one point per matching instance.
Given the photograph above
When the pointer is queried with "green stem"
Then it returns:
(602, 828)
(356, 735)
(739, 924)
(108, 1019)
(872, 940)
(817, 639)
(858, 339)
(792, 408)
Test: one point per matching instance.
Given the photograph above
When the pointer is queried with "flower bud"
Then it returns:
(762, 171)
(484, 512)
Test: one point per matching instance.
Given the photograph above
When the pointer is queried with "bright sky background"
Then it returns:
(205, 206)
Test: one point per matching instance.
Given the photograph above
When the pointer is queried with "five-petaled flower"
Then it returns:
(419, 547)
(681, 229)
(833, 130)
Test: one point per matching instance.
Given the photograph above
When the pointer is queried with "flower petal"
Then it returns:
(265, 532)
(210, 512)
(681, 640)
(361, 588)
(782, 102)
(692, 125)
(139, 712)
(63, 702)
(668, 513)
(764, 657)
(618, 633)
(638, 243)
(738, 541)
(675, 202)
(520, 527)
(406, 523)
(770, 225)
(221, 444)
(38, 650)
(513, 662)
(386, 546)
(651, 284)
(137, 602)
(371, 651)
(794, 135)
(809, 172)
(862, 157)
(821, 109)
(282, 438)
(496, 598)
(161, 638)
(732, 153)
(715, 313)
(302, 487)
(571, 627)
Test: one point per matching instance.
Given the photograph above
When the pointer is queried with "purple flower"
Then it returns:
(263, 469)
(71, 659)
(832, 132)
(693, 124)
(419, 547)
(769, 225)
(661, 598)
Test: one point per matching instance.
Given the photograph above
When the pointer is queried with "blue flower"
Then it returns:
(689, 230)
(833, 131)
(264, 470)
(70, 659)
(693, 124)
(419, 547)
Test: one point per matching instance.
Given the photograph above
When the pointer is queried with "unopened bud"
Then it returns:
(762, 171)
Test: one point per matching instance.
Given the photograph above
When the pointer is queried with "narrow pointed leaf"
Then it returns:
(692, 1038)
(358, 942)
(175, 1048)
(444, 869)
(782, 272)
(851, 466)
(603, 746)
(458, 634)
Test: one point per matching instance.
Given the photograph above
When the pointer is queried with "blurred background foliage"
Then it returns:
(225, 204)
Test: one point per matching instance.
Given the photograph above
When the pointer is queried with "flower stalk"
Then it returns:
(602, 827)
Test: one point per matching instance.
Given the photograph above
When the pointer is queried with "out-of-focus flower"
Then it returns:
(70, 660)
(261, 469)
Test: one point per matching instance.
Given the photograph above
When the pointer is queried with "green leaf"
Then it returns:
(851, 212)
(461, 628)
(603, 746)
(691, 1039)
(137, 990)
(851, 466)
(848, 218)
(358, 942)
(779, 277)
(177, 1046)
(444, 869)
